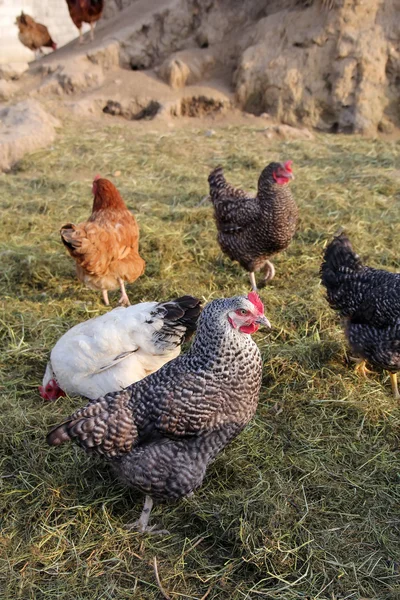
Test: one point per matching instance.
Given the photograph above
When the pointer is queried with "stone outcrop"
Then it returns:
(24, 127)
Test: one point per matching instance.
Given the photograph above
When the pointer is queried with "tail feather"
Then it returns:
(217, 182)
(105, 426)
(180, 319)
(59, 435)
(339, 259)
(70, 237)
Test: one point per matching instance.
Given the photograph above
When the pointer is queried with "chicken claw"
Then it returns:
(141, 525)
(269, 271)
(361, 366)
(124, 300)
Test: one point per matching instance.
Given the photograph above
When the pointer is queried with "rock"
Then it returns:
(79, 75)
(385, 126)
(187, 67)
(327, 64)
(86, 107)
(12, 71)
(286, 132)
(71, 76)
(7, 89)
(106, 56)
(24, 127)
(330, 69)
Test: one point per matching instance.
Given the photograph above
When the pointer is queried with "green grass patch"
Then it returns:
(305, 503)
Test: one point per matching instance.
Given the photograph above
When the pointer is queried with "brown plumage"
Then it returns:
(34, 36)
(252, 229)
(161, 433)
(106, 246)
(85, 11)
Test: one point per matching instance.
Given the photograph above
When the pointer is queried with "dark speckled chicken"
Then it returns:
(369, 301)
(252, 229)
(161, 433)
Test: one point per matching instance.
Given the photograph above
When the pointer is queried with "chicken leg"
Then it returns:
(92, 26)
(124, 300)
(105, 297)
(80, 35)
(269, 271)
(395, 389)
(141, 525)
(253, 281)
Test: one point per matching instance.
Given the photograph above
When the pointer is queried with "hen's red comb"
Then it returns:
(96, 177)
(255, 299)
(288, 165)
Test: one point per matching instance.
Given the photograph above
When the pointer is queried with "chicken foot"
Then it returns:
(395, 389)
(361, 366)
(124, 300)
(269, 273)
(141, 525)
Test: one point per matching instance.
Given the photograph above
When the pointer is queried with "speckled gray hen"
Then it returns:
(369, 301)
(252, 229)
(161, 433)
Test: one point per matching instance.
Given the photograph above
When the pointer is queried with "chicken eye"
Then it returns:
(243, 311)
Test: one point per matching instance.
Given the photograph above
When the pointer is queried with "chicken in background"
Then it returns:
(369, 301)
(110, 352)
(252, 229)
(106, 246)
(85, 11)
(34, 36)
(161, 433)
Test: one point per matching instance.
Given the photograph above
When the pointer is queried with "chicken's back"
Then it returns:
(106, 353)
(85, 11)
(34, 35)
(114, 350)
(105, 248)
(361, 293)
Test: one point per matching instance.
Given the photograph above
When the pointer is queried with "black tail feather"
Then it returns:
(216, 181)
(339, 258)
(183, 311)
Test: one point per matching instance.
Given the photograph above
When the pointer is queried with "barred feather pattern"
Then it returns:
(369, 299)
(161, 433)
(251, 229)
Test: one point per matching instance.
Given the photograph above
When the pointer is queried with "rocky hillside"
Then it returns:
(333, 65)
(329, 64)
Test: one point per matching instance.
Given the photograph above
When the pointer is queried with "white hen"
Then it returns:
(108, 353)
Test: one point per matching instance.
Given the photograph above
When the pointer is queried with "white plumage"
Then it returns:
(108, 353)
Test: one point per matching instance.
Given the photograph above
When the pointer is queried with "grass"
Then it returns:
(305, 503)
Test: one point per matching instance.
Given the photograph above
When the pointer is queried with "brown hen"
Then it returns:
(34, 36)
(106, 246)
(85, 11)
